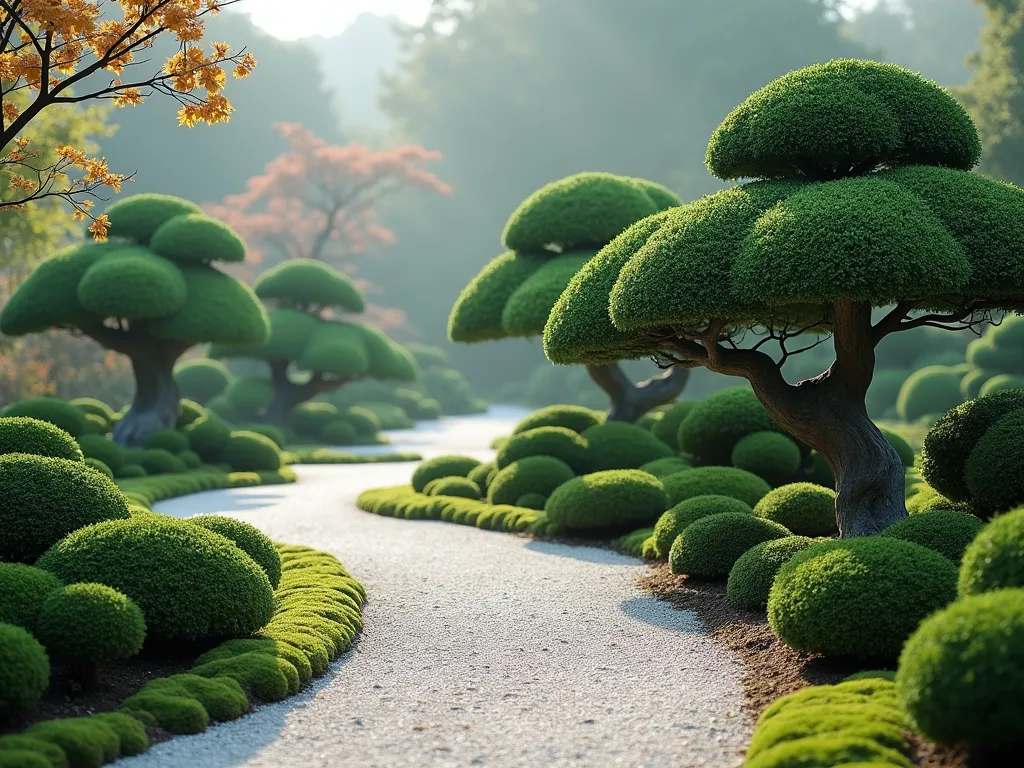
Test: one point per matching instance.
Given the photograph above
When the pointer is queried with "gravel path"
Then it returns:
(480, 648)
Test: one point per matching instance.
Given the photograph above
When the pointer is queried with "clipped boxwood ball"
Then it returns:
(674, 521)
(207, 436)
(23, 590)
(462, 487)
(57, 412)
(807, 509)
(94, 406)
(21, 434)
(100, 467)
(618, 445)
(480, 473)
(96, 425)
(666, 428)
(532, 501)
(995, 559)
(713, 426)
(667, 466)
(24, 671)
(247, 538)
(771, 456)
(267, 430)
(751, 578)
(560, 442)
(44, 499)
(309, 418)
(932, 389)
(190, 459)
(90, 622)
(961, 674)
(994, 470)
(339, 432)
(709, 547)
(947, 532)
(534, 474)
(572, 417)
(829, 749)
(858, 597)
(131, 470)
(716, 481)
(102, 448)
(190, 583)
(442, 466)
(158, 461)
(169, 440)
(614, 499)
(250, 452)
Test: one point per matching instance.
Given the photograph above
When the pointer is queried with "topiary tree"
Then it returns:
(308, 352)
(862, 197)
(151, 292)
(549, 238)
(202, 380)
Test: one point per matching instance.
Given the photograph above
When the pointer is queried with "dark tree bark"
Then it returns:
(288, 394)
(631, 401)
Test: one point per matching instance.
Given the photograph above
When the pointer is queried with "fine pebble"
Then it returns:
(479, 648)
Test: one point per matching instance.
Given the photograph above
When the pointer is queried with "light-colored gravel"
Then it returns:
(480, 648)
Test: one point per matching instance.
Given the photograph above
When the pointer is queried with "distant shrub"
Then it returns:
(169, 440)
(131, 470)
(1001, 382)
(572, 417)
(481, 473)
(947, 532)
(454, 486)
(364, 422)
(208, 436)
(188, 411)
(751, 577)
(23, 590)
(932, 389)
(309, 418)
(102, 448)
(100, 467)
(995, 558)
(710, 546)
(617, 499)
(21, 434)
(57, 412)
(807, 509)
(339, 432)
(94, 406)
(674, 521)
(202, 379)
(190, 459)
(24, 671)
(157, 461)
(442, 466)
(714, 425)
(994, 470)
(667, 466)
(269, 431)
(858, 597)
(249, 539)
(666, 428)
(771, 456)
(560, 442)
(902, 447)
(618, 445)
(250, 452)
(534, 474)
(717, 481)
(90, 622)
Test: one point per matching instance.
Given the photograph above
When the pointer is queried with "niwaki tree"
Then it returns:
(149, 292)
(309, 351)
(549, 238)
(862, 197)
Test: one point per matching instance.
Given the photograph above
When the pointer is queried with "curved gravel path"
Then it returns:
(480, 648)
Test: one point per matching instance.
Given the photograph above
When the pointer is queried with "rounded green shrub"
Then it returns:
(208, 436)
(615, 499)
(713, 426)
(994, 470)
(674, 521)
(90, 622)
(190, 459)
(807, 509)
(572, 417)
(45, 499)
(102, 448)
(339, 432)
(169, 440)
(94, 406)
(534, 474)
(618, 445)
(716, 481)
(365, 422)
(249, 539)
(249, 396)
(902, 447)
(131, 470)
(664, 467)
(189, 582)
(666, 428)
(858, 597)
(100, 467)
(829, 750)
(532, 501)
(157, 461)
(1001, 382)
(995, 558)
(753, 574)
(710, 546)
(442, 466)
(480, 474)
(51, 755)
(24, 671)
(560, 442)
(23, 590)
(771, 456)
(250, 452)
(308, 419)
(454, 486)
(95, 425)
(131, 733)
(267, 430)
(188, 411)
(954, 436)
(932, 389)
(961, 674)
(50, 409)
(23, 434)
(946, 531)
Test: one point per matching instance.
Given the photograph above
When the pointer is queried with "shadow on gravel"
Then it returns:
(658, 613)
(218, 502)
(583, 553)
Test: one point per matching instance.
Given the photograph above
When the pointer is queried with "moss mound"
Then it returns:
(995, 559)
(807, 509)
(771, 456)
(462, 487)
(207, 436)
(947, 532)
(46, 498)
(560, 442)
(21, 434)
(247, 538)
(716, 481)
(709, 547)
(674, 521)
(100, 467)
(617, 445)
(666, 428)
(90, 622)
(190, 583)
(665, 467)
(716, 424)
(250, 452)
(103, 449)
(442, 466)
(994, 470)
(572, 417)
(24, 670)
(169, 440)
(753, 574)
(858, 597)
(157, 461)
(23, 590)
(64, 415)
(617, 499)
(534, 474)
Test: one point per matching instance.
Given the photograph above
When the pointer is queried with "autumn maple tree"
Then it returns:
(49, 54)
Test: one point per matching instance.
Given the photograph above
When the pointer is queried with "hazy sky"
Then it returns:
(306, 18)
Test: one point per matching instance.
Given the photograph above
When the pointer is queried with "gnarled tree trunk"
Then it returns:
(157, 399)
(288, 394)
(631, 401)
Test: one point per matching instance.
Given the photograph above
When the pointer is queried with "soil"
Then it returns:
(771, 668)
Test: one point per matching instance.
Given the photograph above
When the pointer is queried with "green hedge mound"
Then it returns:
(860, 597)
(190, 583)
(169, 439)
(21, 434)
(573, 417)
(64, 415)
(666, 428)
(662, 468)
(90, 622)
(461, 487)
(994, 470)
(560, 442)
(208, 436)
(947, 532)
(829, 750)
(674, 521)
(807, 509)
(249, 539)
(995, 559)
(771, 456)
(616, 499)
(618, 445)
(103, 449)
(961, 674)
(534, 474)
(754, 572)
(100, 467)
(932, 389)
(157, 461)
(250, 452)
(23, 590)
(45, 499)
(709, 547)
(24, 671)
(442, 466)
(716, 424)
(716, 481)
